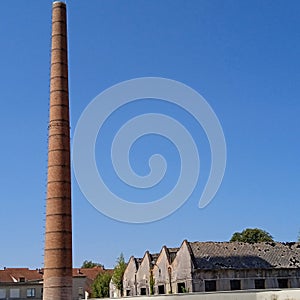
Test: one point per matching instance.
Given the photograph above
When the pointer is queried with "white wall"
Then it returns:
(288, 294)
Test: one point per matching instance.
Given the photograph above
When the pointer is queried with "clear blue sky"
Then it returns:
(242, 56)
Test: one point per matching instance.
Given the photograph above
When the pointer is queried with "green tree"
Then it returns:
(88, 264)
(118, 273)
(100, 286)
(252, 235)
(152, 283)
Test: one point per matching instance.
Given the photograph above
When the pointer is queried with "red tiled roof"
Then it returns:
(14, 275)
(90, 273)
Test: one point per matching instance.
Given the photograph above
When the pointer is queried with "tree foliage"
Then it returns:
(88, 264)
(100, 286)
(152, 283)
(252, 235)
(118, 273)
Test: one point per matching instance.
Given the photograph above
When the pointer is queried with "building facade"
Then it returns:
(162, 271)
(23, 283)
(129, 279)
(144, 274)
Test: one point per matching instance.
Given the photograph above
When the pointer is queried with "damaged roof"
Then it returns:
(172, 253)
(236, 255)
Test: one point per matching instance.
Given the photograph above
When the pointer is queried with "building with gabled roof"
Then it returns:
(162, 270)
(139, 273)
(129, 279)
(143, 274)
(83, 279)
(23, 283)
(215, 266)
(137, 276)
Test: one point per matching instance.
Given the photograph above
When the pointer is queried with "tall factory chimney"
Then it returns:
(58, 236)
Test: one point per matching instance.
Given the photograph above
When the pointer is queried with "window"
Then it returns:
(210, 285)
(161, 289)
(181, 287)
(235, 284)
(14, 293)
(127, 293)
(259, 284)
(283, 283)
(143, 291)
(30, 293)
(2, 293)
(22, 279)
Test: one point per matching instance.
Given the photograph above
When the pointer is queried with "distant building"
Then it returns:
(113, 291)
(83, 279)
(214, 266)
(23, 283)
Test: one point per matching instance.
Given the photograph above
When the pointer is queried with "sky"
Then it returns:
(241, 56)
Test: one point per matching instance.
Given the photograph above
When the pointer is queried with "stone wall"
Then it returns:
(161, 273)
(271, 278)
(129, 278)
(181, 270)
(143, 275)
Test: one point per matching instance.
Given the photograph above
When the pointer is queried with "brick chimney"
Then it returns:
(58, 236)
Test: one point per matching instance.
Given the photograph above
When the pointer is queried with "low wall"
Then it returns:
(287, 294)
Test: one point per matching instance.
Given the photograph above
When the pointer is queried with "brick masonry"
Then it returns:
(58, 236)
